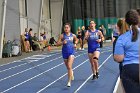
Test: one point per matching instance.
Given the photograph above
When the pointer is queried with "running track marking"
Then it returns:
(33, 67)
(117, 85)
(30, 61)
(26, 59)
(28, 69)
(21, 60)
(37, 76)
(66, 74)
(61, 77)
(90, 76)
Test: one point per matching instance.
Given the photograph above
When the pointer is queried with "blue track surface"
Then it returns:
(46, 73)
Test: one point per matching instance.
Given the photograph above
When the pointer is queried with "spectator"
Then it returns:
(127, 53)
(30, 39)
(79, 36)
(27, 44)
(44, 36)
(41, 40)
(103, 30)
(122, 27)
(115, 33)
(52, 41)
(45, 39)
(36, 42)
(82, 37)
(138, 10)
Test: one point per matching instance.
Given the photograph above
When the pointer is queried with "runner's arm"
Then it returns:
(75, 39)
(101, 37)
(59, 42)
(86, 35)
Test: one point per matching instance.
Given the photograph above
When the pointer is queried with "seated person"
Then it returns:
(52, 41)
(44, 38)
(36, 42)
(42, 41)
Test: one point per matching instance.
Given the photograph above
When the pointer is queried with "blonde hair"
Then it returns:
(123, 26)
(79, 28)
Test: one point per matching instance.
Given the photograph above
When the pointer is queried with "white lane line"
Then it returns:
(21, 60)
(116, 85)
(90, 76)
(30, 61)
(41, 55)
(25, 59)
(106, 51)
(30, 79)
(14, 67)
(21, 64)
(29, 69)
(60, 77)
(38, 75)
(35, 58)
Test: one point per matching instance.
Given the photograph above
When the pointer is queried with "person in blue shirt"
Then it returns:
(26, 34)
(92, 36)
(121, 28)
(138, 10)
(27, 44)
(127, 52)
(68, 50)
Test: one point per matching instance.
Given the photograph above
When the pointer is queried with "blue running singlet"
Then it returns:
(27, 36)
(93, 45)
(68, 48)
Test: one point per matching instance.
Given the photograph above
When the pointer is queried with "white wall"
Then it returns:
(45, 20)
(23, 17)
(56, 18)
(33, 13)
(12, 24)
(56, 15)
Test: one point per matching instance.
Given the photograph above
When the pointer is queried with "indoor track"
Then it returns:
(46, 73)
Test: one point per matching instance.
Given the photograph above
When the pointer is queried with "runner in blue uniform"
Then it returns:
(66, 39)
(92, 36)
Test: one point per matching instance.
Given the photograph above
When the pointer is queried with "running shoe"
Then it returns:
(97, 75)
(94, 77)
(72, 78)
(69, 84)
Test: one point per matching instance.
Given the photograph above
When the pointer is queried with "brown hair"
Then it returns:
(30, 29)
(138, 10)
(123, 26)
(92, 21)
(68, 24)
(132, 18)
